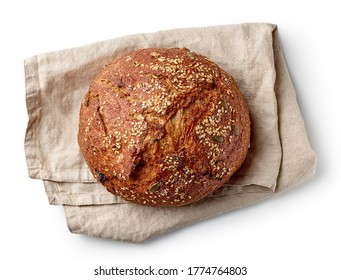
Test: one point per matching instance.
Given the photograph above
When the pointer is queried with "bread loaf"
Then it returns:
(163, 127)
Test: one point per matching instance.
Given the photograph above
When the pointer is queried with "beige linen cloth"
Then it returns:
(279, 157)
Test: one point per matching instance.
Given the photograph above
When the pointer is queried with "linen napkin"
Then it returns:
(279, 157)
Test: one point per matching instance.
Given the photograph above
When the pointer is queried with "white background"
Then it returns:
(293, 236)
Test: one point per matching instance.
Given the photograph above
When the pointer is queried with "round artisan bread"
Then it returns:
(163, 127)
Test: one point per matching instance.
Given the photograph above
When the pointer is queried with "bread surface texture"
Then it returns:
(163, 126)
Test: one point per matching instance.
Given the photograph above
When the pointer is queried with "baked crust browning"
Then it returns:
(163, 127)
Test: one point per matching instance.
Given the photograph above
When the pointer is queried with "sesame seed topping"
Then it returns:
(150, 93)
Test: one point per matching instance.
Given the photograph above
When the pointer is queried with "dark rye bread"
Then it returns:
(163, 127)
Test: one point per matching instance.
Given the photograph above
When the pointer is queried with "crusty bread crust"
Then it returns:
(163, 127)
